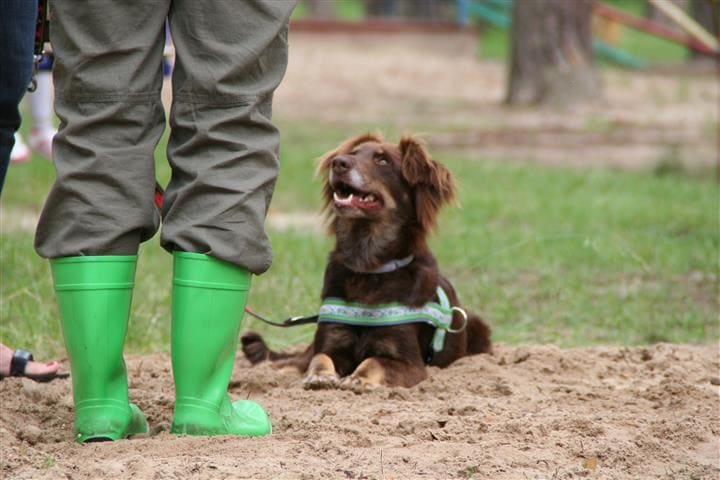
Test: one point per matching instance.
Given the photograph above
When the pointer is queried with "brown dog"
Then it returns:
(382, 202)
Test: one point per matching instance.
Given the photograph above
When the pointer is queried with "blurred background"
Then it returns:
(584, 137)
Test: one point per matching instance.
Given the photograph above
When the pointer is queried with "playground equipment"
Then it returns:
(497, 14)
(648, 26)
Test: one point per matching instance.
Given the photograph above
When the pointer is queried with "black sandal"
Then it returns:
(19, 362)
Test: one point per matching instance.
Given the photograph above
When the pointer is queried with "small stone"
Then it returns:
(467, 410)
(405, 427)
(30, 433)
(32, 390)
(715, 380)
(521, 356)
(67, 402)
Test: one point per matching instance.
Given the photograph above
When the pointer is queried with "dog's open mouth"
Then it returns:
(347, 197)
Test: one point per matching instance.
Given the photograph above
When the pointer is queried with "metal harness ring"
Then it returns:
(465, 320)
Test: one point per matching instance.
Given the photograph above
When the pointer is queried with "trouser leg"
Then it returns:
(223, 149)
(108, 77)
(17, 26)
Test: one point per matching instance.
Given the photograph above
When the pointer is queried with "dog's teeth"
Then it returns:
(349, 199)
(369, 197)
(338, 198)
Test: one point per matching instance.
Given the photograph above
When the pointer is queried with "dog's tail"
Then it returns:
(256, 351)
(478, 336)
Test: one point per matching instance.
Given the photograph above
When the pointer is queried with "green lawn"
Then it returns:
(573, 257)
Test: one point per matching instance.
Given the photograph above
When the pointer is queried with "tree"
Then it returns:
(552, 60)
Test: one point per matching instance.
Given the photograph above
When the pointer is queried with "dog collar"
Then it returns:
(438, 314)
(391, 266)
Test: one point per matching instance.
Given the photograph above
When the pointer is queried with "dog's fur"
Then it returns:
(408, 188)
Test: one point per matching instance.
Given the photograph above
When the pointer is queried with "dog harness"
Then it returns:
(336, 310)
(438, 314)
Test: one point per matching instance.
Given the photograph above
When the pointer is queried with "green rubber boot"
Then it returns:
(207, 308)
(94, 295)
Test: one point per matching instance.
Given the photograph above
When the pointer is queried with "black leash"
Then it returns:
(288, 322)
(295, 321)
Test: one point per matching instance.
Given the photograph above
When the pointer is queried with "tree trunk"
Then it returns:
(552, 60)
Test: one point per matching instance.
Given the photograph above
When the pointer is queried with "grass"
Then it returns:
(348, 10)
(547, 255)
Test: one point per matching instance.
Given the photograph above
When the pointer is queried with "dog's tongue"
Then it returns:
(358, 202)
(367, 202)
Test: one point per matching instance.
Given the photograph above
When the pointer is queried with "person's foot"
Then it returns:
(20, 152)
(33, 370)
(40, 142)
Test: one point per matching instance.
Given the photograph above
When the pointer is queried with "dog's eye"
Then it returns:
(381, 159)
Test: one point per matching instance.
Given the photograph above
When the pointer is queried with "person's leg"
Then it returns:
(17, 32)
(42, 129)
(94, 295)
(20, 151)
(108, 78)
(207, 307)
(223, 150)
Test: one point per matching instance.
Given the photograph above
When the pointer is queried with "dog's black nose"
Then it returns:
(341, 164)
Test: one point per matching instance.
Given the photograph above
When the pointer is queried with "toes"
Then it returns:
(320, 381)
(356, 384)
(36, 368)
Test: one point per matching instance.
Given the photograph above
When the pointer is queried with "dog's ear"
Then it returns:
(432, 182)
(325, 162)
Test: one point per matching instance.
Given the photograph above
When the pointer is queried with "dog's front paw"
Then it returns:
(321, 381)
(357, 384)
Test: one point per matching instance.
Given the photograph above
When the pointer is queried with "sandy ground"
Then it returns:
(536, 412)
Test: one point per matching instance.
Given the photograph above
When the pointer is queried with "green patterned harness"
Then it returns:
(439, 315)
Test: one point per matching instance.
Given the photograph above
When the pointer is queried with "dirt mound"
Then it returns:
(525, 412)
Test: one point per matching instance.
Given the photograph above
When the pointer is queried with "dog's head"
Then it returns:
(368, 178)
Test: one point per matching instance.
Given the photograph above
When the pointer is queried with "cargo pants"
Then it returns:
(223, 148)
